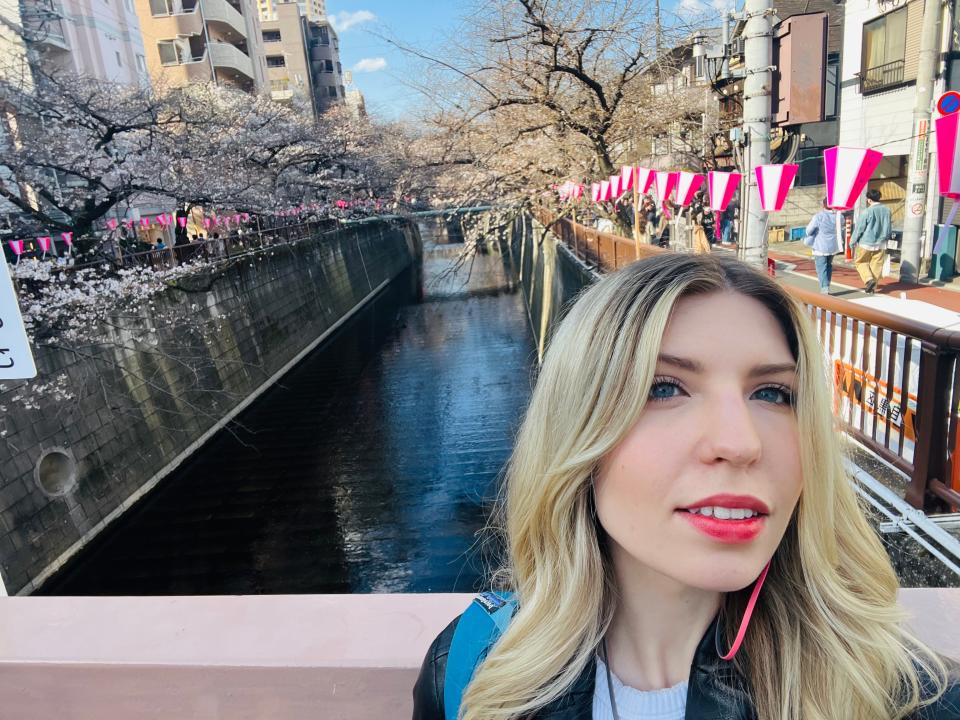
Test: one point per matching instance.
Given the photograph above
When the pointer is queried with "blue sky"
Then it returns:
(378, 67)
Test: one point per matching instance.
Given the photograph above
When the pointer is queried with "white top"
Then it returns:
(632, 704)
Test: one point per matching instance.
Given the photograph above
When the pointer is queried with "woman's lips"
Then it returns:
(726, 531)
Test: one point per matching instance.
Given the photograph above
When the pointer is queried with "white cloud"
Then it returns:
(344, 20)
(370, 65)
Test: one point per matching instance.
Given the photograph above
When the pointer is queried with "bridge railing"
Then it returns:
(896, 381)
(284, 657)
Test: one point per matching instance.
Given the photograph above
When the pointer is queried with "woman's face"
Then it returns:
(718, 435)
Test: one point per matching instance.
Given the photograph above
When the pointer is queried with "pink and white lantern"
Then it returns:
(773, 183)
(948, 155)
(645, 179)
(595, 192)
(847, 172)
(112, 223)
(616, 186)
(16, 246)
(687, 185)
(663, 186)
(721, 186)
(605, 190)
(44, 243)
(626, 173)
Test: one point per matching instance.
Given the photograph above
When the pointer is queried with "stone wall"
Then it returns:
(146, 395)
(551, 275)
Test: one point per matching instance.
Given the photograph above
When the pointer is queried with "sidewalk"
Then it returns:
(932, 302)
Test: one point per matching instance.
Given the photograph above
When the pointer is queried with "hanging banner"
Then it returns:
(16, 360)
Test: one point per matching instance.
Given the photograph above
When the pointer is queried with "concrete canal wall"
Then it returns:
(149, 394)
(551, 275)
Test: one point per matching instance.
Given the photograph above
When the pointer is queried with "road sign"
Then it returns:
(16, 360)
(948, 103)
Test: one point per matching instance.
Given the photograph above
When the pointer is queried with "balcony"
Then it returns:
(43, 24)
(882, 77)
(231, 58)
(220, 11)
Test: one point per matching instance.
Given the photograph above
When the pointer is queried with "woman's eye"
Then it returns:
(664, 390)
(776, 395)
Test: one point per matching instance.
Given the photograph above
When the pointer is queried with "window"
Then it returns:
(141, 64)
(271, 36)
(884, 51)
(276, 61)
(810, 160)
(328, 65)
(332, 90)
(324, 34)
(340, 68)
(168, 7)
(119, 61)
(831, 92)
(173, 52)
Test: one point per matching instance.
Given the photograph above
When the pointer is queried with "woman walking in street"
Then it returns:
(821, 235)
(680, 536)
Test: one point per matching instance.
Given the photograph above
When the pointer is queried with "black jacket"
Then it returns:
(715, 691)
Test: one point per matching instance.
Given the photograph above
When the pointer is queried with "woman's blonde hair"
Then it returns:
(826, 640)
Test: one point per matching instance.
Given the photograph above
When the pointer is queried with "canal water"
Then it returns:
(370, 467)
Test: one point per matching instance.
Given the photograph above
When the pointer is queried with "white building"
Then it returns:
(878, 80)
(90, 37)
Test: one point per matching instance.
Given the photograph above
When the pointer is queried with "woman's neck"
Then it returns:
(656, 627)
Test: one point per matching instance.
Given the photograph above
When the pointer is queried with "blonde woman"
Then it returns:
(681, 538)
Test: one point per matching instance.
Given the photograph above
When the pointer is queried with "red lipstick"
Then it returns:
(728, 530)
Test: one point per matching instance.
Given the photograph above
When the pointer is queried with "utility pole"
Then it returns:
(916, 203)
(757, 85)
(659, 29)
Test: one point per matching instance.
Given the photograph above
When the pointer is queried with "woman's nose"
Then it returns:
(730, 432)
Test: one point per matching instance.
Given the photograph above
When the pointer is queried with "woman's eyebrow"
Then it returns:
(680, 362)
(756, 371)
(772, 369)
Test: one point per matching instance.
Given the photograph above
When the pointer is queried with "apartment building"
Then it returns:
(203, 41)
(302, 56)
(98, 38)
(323, 47)
(310, 9)
(879, 76)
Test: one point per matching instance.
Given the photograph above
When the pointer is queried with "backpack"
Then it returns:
(480, 626)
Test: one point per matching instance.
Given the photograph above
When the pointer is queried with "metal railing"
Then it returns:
(896, 381)
(228, 246)
(882, 76)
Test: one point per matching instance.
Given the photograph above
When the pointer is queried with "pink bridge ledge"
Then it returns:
(322, 657)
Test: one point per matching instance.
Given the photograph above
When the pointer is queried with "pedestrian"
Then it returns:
(870, 236)
(729, 218)
(160, 245)
(700, 222)
(660, 479)
(821, 235)
(652, 217)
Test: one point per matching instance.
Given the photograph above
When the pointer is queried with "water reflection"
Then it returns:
(367, 469)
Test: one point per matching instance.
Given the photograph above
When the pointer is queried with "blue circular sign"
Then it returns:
(948, 103)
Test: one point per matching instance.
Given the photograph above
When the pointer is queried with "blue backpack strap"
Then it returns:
(480, 626)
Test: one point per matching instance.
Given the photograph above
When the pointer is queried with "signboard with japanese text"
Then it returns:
(16, 360)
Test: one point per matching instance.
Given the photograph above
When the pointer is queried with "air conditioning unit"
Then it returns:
(736, 46)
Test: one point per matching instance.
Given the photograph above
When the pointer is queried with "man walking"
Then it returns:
(870, 238)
